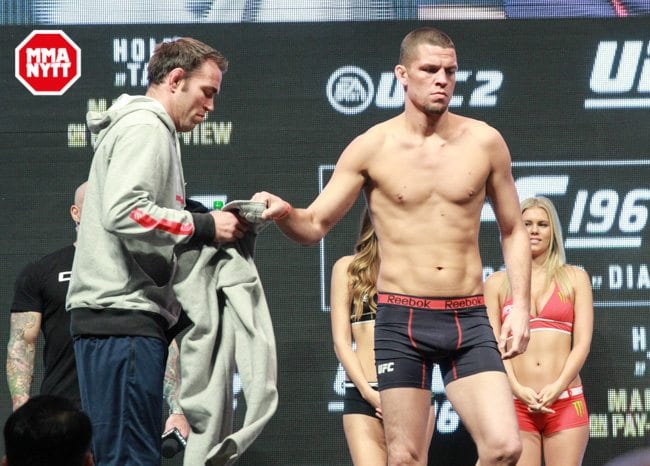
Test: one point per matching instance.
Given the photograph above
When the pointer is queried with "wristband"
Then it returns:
(287, 210)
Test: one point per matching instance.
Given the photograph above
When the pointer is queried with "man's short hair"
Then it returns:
(185, 53)
(423, 35)
(47, 430)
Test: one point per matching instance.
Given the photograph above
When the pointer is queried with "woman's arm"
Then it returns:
(340, 302)
(583, 324)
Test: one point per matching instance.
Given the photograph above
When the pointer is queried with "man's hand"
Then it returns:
(179, 421)
(18, 400)
(228, 227)
(515, 324)
(276, 207)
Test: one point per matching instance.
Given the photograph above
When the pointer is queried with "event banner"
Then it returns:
(571, 98)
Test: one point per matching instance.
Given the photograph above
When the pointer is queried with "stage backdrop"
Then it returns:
(571, 98)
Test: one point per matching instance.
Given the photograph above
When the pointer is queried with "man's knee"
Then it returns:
(403, 454)
(505, 450)
(510, 452)
(404, 457)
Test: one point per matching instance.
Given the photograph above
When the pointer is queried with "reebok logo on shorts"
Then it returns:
(461, 303)
(438, 304)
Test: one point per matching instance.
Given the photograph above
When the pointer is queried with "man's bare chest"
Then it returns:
(420, 178)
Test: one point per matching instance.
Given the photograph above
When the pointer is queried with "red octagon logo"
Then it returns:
(48, 62)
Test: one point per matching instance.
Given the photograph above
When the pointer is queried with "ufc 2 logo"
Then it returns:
(385, 367)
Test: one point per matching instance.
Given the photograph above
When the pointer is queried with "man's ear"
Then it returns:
(75, 213)
(401, 74)
(174, 78)
(90, 459)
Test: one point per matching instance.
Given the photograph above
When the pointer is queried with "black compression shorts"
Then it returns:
(354, 403)
(412, 334)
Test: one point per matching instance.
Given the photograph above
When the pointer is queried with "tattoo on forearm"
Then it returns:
(20, 358)
(171, 384)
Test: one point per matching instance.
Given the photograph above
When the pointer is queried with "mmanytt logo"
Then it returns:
(351, 90)
(620, 77)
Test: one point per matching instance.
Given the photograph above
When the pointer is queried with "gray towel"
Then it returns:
(220, 289)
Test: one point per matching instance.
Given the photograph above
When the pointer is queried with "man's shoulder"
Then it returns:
(379, 130)
(36, 273)
(376, 135)
(486, 138)
(140, 111)
(58, 255)
(54, 260)
(143, 115)
(478, 128)
(128, 111)
(366, 144)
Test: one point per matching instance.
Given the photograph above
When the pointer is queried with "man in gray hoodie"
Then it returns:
(120, 295)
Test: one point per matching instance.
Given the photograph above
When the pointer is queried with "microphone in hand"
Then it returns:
(172, 443)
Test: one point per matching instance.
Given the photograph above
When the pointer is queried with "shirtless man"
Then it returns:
(425, 174)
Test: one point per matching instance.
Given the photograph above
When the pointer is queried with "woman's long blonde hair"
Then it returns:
(555, 260)
(364, 268)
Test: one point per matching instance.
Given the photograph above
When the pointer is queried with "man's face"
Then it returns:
(195, 96)
(430, 78)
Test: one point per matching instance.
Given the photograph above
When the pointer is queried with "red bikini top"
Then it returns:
(557, 314)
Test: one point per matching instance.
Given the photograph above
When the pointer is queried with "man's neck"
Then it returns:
(426, 124)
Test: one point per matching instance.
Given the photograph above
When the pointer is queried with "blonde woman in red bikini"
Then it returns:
(545, 380)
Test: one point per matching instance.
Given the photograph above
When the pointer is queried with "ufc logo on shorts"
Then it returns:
(385, 367)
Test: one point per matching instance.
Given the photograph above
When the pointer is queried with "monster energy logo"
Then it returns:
(579, 407)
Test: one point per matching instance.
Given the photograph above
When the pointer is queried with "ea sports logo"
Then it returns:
(350, 90)
(48, 62)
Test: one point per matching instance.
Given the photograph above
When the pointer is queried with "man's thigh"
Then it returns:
(120, 380)
(405, 411)
(484, 401)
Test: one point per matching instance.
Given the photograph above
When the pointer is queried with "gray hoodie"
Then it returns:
(222, 293)
(132, 218)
